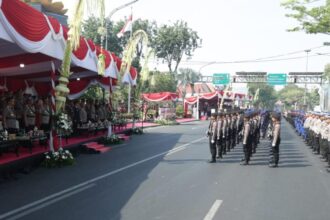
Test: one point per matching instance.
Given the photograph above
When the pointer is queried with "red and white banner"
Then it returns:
(159, 97)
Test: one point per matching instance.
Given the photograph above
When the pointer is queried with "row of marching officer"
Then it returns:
(317, 129)
(224, 132)
(256, 122)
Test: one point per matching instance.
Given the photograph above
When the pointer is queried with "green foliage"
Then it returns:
(90, 31)
(113, 139)
(179, 111)
(166, 122)
(290, 95)
(163, 82)
(187, 76)
(94, 92)
(58, 159)
(313, 99)
(137, 131)
(327, 73)
(312, 18)
(267, 95)
(172, 42)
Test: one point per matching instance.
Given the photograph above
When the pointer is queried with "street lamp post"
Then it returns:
(200, 73)
(305, 91)
(112, 13)
(106, 38)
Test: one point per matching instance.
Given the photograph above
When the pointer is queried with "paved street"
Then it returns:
(164, 175)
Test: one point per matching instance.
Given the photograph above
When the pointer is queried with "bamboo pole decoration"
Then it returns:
(72, 43)
(130, 50)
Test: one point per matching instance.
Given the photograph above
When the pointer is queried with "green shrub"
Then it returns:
(179, 111)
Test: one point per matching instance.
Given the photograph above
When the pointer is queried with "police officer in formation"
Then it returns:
(276, 139)
(314, 128)
(212, 135)
(227, 129)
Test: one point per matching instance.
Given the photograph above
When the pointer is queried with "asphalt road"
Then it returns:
(164, 175)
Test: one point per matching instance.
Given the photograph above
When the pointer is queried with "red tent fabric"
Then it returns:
(220, 94)
(30, 37)
(191, 100)
(161, 96)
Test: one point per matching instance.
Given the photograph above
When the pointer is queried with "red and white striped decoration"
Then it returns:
(52, 139)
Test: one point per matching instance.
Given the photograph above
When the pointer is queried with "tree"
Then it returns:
(312, 20)
(163, 82)
(172, 42)
(327, 73)
(267, 95)
(187, 76)
(291, 95)
(90, 31)
(313, 98)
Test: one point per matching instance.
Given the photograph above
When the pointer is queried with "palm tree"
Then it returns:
(187, 76)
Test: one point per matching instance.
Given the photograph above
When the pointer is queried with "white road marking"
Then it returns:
(216, 205)
(42, 203)
(88, 183)
(175, 151)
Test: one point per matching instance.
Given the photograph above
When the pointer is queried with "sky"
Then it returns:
(234, 30)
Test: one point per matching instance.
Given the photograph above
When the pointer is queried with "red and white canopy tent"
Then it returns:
(160, 96)
(31, 42)
(227, 96)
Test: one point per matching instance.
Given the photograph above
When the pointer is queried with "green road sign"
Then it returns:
(275, 79)
(221, 78)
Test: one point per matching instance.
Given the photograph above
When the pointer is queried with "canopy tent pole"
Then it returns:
(198, 107)
(52, 135)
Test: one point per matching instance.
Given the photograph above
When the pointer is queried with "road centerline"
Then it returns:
(213, 210)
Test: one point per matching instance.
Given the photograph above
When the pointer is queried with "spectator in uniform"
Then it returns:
(30, 115)
(45, 113)
(10, 122)
(82, 115)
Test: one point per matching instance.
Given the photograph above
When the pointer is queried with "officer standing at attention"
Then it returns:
(276, 140)
(328, 151)
(212, 135)
(228, 132)
(220, 140)
(246, 139)
(234, 130)
(224, 133)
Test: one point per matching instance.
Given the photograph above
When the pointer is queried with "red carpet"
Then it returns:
(182, 120)
(24, 153)
(98, 148)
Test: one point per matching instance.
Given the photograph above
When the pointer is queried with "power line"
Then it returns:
(263, 59)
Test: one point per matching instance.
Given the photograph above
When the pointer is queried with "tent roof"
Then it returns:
(25, 31)
(219, 94)
(160, 96)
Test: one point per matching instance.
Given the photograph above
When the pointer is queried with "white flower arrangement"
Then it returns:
(64, 124)
(58, 159)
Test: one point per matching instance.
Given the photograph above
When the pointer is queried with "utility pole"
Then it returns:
(305, 92)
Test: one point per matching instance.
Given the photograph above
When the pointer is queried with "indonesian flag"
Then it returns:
(127, 27)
